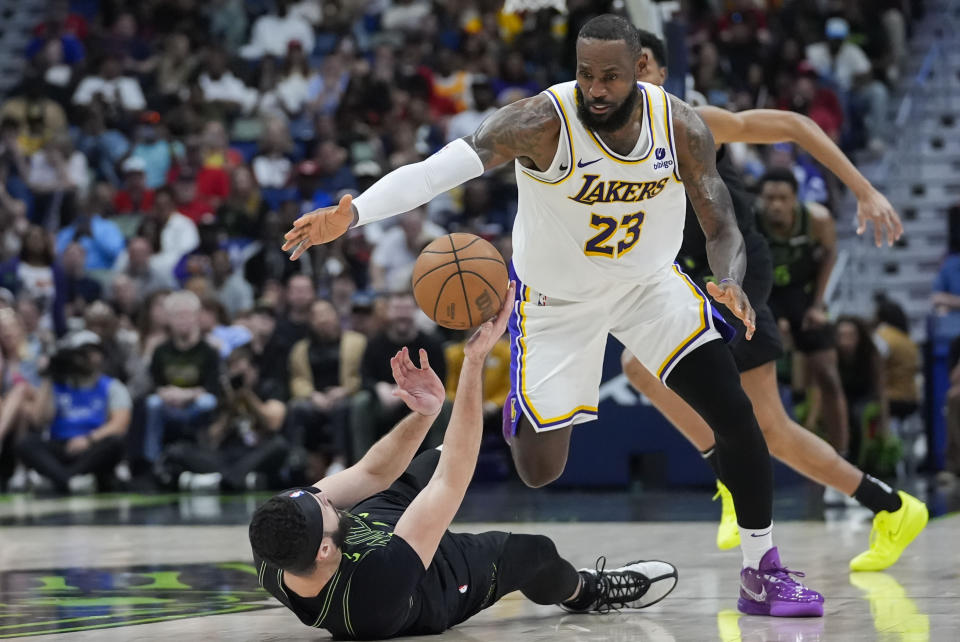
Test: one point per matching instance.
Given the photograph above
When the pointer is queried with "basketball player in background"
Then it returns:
(899, 517)
(366, 553)
(601, 165)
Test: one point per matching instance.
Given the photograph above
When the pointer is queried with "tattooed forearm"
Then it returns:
(696, 160)
(522, 129)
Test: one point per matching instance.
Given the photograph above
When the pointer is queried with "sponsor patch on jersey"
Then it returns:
(296, 493)
(661, 153)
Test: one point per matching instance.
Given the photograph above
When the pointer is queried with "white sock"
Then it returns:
(754, 543)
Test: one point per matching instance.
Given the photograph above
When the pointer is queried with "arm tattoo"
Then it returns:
(521, 129)
(697, 163)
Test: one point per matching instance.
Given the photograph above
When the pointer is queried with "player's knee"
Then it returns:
(538, 472)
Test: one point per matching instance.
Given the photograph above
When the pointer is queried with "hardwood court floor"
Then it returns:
(67, 582)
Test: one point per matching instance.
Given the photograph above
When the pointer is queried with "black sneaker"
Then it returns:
(635, 585)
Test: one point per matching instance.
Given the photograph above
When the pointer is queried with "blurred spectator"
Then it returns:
(36, 276)
(467, 121)
(332, 170)
(342, 291)
(112, 87)
(146, 276)
(21, 361)
(272, 166)
(153, 146)
(186, 377)
(270, 264)
(496, 381)
(102, 143)
(80, 289)
(216, 152)
(324, 373)
(391, 263)
(273, 33)
(232, 290)
(405, 15)
(176, 65)
(171, 234)
(13, 223)
(227, 93)
(243, 212)
(101, 239)
(58, 177)
(292, 326)
(242, 445)
(846, 64)
(901, 359)
(216, 326)
(375, 409)
(134, 197)
(32, 106)
(946, 286)
(88, 414)
(872, 447)
(62, 28)
(228, 23)
(118, 347)
(150, 332)
(61, 14)
(122, 40)
(292, 93)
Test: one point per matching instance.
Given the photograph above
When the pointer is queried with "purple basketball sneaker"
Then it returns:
(770, 590)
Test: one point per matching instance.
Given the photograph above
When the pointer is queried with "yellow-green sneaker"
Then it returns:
(728, 534)
(891, 534)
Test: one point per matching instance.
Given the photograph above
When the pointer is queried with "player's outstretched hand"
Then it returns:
(419, 388)
(875, 207)
(487, 335)
(732, 295)
(319, 226)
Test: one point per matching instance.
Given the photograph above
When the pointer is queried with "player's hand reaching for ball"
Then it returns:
(732, 295)
(419, 388)
(319, 226)
(487, 335)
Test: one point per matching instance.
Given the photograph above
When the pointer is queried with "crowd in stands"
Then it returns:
(156, 151)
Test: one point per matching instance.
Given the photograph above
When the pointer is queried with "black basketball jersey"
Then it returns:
(381, 589)
(693, 251)
(796, 258)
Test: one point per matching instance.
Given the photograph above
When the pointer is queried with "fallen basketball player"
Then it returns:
(366, 553)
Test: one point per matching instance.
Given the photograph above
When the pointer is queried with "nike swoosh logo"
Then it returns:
(580, 163)
(758, 597)
(760, 535)
(563, 168)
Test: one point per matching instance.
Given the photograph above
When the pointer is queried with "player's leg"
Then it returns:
(556, 363)
(532, 565)
(822, 366)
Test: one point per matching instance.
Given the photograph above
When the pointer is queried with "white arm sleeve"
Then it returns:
(410, 186)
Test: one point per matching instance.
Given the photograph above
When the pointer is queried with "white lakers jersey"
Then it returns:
(595, 217)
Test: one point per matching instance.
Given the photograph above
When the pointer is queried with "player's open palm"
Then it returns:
(487, 335)
(732, 295)
(319, 226)
(420, 388)
(875, 207)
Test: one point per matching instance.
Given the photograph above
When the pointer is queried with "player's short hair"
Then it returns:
(611, 27)
(654, 44)
(277, 531)
(780, 175)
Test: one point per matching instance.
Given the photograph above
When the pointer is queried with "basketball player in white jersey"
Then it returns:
(602, 163)
(899, 517)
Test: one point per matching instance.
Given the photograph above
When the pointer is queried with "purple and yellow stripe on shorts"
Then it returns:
(517, 402)
(709, 319)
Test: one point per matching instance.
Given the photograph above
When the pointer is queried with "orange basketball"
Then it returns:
(459, 281)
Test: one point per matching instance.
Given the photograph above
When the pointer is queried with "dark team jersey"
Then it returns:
(693, 250)
(796, 258)
(381, 589)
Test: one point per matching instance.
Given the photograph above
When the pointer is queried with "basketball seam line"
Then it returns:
(470, 258)
(463, 286)
(436, 304)
(431, 271)
(451, 245)
(480, 276)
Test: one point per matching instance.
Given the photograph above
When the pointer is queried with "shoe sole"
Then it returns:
(780, 609)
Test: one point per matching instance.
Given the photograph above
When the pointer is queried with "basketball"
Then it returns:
(459, 281)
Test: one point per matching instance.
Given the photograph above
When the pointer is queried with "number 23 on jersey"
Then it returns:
(599, 244)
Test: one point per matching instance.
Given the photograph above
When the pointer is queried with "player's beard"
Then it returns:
(612, 120)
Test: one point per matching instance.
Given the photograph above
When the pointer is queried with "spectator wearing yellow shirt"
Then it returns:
(496, 380)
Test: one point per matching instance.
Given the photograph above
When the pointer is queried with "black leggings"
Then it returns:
(707, 379)
(530, 564)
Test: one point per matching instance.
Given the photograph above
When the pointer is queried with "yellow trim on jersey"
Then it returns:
(668, 119)
(609, 153)
(523, 368)
(693, 335)
(573, 156)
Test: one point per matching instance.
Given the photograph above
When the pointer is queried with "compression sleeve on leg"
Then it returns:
(410, 186)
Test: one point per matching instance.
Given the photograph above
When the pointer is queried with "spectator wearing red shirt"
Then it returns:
(135, 197)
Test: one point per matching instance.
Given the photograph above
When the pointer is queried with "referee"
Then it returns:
(366, 553)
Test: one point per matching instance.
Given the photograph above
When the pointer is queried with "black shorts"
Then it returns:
(792, 304)
(766, 345)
